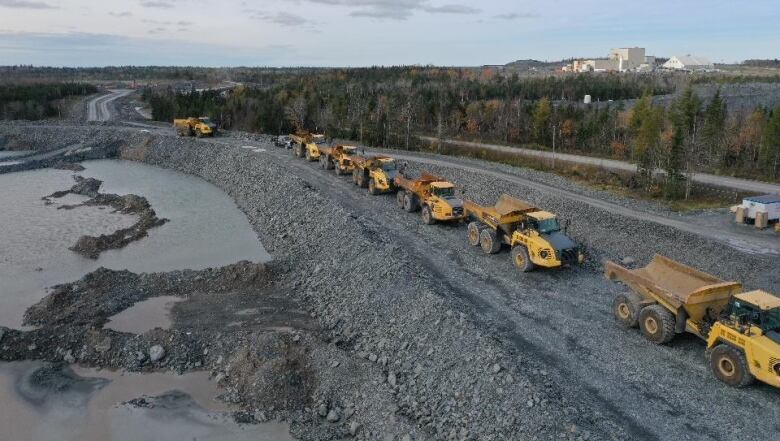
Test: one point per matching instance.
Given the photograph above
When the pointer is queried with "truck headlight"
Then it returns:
(777, 369)
(543, 254)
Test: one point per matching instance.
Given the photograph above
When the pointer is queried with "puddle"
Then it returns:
(6, 154)
(87, 405)
(145, 316)
(206, 229)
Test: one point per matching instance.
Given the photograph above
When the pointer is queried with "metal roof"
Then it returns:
(765, 199)
(690, 60)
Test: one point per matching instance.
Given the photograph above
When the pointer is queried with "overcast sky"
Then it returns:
(376, 32)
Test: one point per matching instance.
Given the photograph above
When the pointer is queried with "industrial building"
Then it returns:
(619, 60)
(689, 63)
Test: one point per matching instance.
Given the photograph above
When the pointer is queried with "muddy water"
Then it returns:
(144, 316)
(88, 405)
(206, 229)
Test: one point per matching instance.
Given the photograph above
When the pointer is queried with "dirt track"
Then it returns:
(554, 328)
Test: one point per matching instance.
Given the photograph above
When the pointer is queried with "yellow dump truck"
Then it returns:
(195, 127)
(742, 329)
(307, 145)
(534, 235)
(432, 195)
(338, 158)
(375, 172)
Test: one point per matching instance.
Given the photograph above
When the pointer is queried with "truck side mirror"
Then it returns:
(566, 225)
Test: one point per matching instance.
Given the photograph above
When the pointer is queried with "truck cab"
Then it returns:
(547, 245)
(312, 152)
(377, 173)
(745, 341)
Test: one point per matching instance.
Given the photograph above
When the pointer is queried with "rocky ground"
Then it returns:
(394, 329)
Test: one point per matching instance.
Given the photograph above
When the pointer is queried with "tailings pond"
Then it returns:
(205, 229)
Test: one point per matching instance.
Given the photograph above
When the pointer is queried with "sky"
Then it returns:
(377, 32)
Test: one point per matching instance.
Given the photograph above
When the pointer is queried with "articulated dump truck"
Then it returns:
(741, 329)
(534, 235)
(432, 195)
(307, 145)
(197, 127)
(338, 158)
(377, 173)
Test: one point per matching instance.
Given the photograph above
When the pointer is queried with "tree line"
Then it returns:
(38, 101)
(388, 107)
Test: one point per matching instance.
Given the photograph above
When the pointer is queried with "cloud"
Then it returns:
(515, 15)
(156, 4)
(22, 4)
(121, 14)
(84, 49)
(280, 18)
(184, 23)
(396, 9)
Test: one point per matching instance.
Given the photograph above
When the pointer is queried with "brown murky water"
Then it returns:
(88, 406)
(144, 316)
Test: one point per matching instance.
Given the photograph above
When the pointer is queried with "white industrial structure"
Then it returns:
(689, 63)
(620, 60)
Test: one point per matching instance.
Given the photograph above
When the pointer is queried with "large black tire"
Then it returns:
(372, 187)
(399, 199)
(626, 308)
(198, 134)
(355, 176)
(521, 259)
(323, 162)
(488, 240)
(730, 366)
(307, 154)
(410, 202)
(473, 233)
(362, 181)
(657, 324)
(427, 215)
(296, 150)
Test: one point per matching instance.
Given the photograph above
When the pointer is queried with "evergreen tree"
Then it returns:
(770, 157)
(713, 132)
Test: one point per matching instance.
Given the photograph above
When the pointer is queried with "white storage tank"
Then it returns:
(588, 99)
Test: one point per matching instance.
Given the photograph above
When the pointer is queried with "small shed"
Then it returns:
(769, 204)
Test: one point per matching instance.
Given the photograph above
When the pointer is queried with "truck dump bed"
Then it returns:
(417, 185)
(506, 211)
(676, 285)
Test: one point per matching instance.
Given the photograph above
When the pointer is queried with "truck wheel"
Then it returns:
(521, 259)
(337, 169)
(399, 199)
(657, 324)
(308, 154)
(488, 240)
(410, 202)
(626, 309)
(198, 134)
(323, 162)
(730, 366)
(473, 233)
(296, 151)
(427, 216)
(372, 187)
(362, 183)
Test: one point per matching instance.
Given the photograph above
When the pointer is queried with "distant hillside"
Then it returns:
(524, 65)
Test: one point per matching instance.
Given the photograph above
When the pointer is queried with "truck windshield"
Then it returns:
(548, 226)
(388, 166)
(205, 121)
(770, 320)
(319, 141)
(444, 192)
